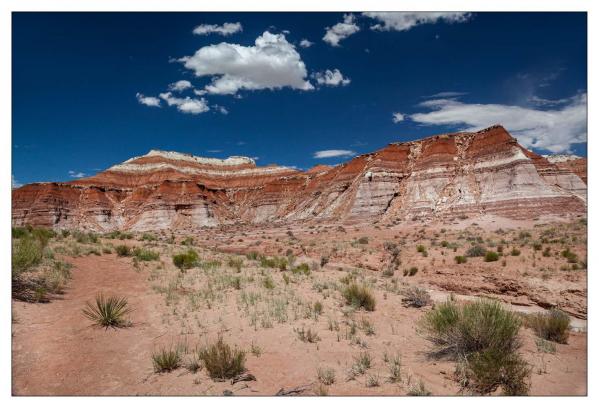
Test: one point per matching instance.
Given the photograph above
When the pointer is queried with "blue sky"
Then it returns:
(93, 89)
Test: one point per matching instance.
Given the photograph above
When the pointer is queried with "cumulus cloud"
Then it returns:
(76, 174)
(555, 130)
(398, 117)
(187, 104)
(225, 29)
(325, 154)
(14, 182)
(147, 100)
(179, 86)
(404, 21)
(271, 63)
(306, 43)
(331, 78)
(341, 31)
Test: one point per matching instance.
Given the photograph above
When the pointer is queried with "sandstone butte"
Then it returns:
(449, 175)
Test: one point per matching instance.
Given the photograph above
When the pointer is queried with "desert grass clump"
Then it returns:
(410, 271)
(307, 336)
(359, 296)
(326, 376)
(108, 311)
(515, 252)
(419, 390)
(222, 361)
(142, 254)
(395, 369)
(483, 338)
(166, 359)
(123, 250)
(186, 260)
(552, 325)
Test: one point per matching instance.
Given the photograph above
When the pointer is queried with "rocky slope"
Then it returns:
(440, 176)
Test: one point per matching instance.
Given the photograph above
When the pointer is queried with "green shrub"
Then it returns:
(148, 237)
(570, 256)
(553, 325)
(123, 250)
(476, 251)
(268, 283)
(363, 240)
(108, 311)
(186, 260)
(460, 259)
(515, 252)
(537, 246)
(491, 256)
(19, 232)
(411, 271)
(302, 268)
(166, 360)
(27, 252)
(483, 338)
(420, 248)
(359, 296)
(222, 361)
(189, 241)
(143, 254)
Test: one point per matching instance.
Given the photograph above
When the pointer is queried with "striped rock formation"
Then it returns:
(440, 176)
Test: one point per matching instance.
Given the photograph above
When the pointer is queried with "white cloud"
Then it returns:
(446, 94)
(341, 31)
(403, 21)
(148, 100)
(179, 86)
(325, 154)
(214, 151)
(15, 183)
(272, 63)
(221, 109)
(398, 117)
(225, 29)
(76, 174)
(187, 104)
(554, 130)
(331, 78)
(306, 43)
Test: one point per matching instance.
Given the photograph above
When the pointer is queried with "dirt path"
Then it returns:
(44, 331)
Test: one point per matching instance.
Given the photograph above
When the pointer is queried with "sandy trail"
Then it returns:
(56, 351)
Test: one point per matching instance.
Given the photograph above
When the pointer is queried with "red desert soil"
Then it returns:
(57, 351)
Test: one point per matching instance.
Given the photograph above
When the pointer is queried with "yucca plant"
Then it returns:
(108, 311)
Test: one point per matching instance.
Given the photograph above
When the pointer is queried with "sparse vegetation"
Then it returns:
(142, 254)
(476, 251)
